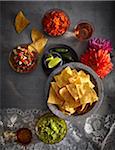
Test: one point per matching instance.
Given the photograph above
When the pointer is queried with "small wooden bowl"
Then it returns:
(32, 68)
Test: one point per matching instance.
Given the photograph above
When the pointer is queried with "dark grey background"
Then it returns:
(27, 91)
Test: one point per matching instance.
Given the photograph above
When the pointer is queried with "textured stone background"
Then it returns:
(27, 91)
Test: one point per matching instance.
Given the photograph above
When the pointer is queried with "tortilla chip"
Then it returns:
(66, 111)
(60, 81)
(36, 35)
(67, 71)
(53, 99)
(31, 49)
(69, 110)
(86, 79)
(90, 96)
(66, 95)
(80, 78)
(72, 90)
(82, 73)
(79, 90)
(21, 22)
(39, 44)
(63, 78)
(82, 109)
(74, 72)
(75, 80)
(66, 74)
(69, 101)
(56, 89)
(89, 81)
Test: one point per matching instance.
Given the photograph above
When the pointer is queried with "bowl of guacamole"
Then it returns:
(51, 129)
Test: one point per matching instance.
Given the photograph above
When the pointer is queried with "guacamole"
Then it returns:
(51, 129)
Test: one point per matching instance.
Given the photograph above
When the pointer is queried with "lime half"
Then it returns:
(54, 62)
(49, 58)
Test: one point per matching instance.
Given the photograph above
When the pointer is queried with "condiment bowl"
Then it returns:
(94, 79)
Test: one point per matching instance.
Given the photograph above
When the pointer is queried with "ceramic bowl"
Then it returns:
(95, 80)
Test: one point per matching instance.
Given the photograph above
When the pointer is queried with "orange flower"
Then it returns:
(99, 61)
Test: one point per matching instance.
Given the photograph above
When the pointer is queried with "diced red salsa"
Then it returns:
(23, 60)
(55, 22)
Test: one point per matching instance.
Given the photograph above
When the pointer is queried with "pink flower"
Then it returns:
(99, 43)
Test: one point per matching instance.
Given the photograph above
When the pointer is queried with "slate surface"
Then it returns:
(27, 91)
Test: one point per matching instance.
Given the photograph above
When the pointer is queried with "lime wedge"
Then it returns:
(54, 62)
(49, 58)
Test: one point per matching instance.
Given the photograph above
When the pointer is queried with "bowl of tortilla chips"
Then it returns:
(74, 91)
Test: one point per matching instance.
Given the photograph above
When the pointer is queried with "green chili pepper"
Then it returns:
(59, 50)
(67, 56)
